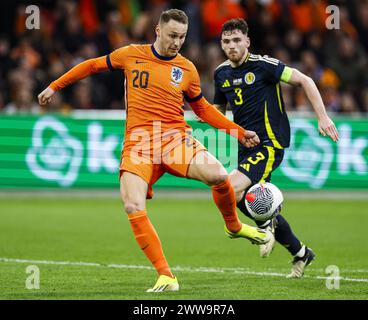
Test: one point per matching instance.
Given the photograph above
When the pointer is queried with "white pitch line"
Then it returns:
(177, 268)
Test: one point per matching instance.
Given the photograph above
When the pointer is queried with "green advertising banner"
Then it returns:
(73, 152)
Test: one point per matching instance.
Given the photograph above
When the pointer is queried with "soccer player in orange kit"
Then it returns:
(157, 139)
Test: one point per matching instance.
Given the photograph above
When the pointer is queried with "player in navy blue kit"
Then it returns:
(250, 85)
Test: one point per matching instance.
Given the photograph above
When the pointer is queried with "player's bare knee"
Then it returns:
(238, 188)
(132, 206)
(220, 177)
(239, 195)
(239, 182)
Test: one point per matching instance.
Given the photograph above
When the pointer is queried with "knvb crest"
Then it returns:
(176, 74)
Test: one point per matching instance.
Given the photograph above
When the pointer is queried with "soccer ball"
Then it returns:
(264, 201)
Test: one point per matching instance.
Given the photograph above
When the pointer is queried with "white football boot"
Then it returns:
(299, 264)
(266, 249)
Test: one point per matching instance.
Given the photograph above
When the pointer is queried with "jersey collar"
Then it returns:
(244, 62)
(157, 55)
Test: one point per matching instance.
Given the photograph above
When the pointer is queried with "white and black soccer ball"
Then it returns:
(264, 201)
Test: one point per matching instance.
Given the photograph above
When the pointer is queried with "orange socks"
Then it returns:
(149, 242)
(224, 197)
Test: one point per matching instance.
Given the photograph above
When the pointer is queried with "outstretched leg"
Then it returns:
(282, 230)
(206, 168)
(303, 256)
(285, 236)
(133, 191)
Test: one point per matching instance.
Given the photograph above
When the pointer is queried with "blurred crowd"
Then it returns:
(71, 31)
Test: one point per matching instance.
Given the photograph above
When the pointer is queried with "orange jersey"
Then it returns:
(155, 86)
(156, 137)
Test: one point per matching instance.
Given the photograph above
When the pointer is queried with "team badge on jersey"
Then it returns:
(176, 74)
(249, 78)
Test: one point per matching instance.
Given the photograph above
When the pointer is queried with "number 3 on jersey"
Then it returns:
(259, 157)
(239, 100)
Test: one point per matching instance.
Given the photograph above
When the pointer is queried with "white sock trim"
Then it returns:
(301, 252)
(265, 224)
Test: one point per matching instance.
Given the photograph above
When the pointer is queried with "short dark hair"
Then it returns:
(235, 24)
(173, 14)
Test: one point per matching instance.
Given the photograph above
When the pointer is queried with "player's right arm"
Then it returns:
(84, 69)
(220, 100)
(80, 71)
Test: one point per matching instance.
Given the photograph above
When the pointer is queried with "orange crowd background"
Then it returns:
(71, 31)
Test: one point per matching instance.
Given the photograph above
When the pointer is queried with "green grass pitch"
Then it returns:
(84, 249)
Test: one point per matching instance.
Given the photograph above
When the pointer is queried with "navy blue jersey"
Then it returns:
(253, 92)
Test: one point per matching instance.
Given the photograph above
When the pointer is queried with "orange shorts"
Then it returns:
(173, 157)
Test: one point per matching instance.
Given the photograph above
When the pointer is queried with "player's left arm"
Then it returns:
(325, 125)
(221, 107)
(210, 114)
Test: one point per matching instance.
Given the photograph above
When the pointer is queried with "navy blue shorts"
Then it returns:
(259, 162)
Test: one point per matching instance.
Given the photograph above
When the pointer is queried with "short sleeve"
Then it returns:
(193, 93)
(117, 58)
(273, 67)
(220, 97)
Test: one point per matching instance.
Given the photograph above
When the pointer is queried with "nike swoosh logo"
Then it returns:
(137, 61)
